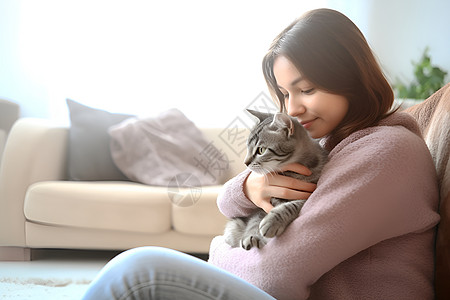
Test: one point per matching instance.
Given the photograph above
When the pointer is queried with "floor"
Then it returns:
(57, 262)
(53, 274)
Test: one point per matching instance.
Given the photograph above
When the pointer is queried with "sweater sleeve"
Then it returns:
(372, 189)
(232, 201)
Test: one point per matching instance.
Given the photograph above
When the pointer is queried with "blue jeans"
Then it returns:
(159, 273)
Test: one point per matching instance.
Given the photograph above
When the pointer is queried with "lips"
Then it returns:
(307, 124)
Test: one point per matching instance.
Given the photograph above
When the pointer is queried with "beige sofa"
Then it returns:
(9, 113)
(39, 208)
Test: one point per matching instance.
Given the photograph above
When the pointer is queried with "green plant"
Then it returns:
(428, 79)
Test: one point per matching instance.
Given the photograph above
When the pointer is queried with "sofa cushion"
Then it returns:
(89, 156)
(122, 206)
(202, 217)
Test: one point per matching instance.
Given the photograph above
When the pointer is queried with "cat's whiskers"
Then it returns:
(266, 177)
(268, 171)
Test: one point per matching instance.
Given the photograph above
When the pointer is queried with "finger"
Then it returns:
(291, 183)
(266, 206)
(288, 194)
(298, 185)
(297, 168)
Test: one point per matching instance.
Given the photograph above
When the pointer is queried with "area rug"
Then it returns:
(36, 288)
(61, 275)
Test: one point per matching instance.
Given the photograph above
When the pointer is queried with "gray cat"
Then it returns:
(275, 141)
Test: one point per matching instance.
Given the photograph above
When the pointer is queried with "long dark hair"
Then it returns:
(331, 52)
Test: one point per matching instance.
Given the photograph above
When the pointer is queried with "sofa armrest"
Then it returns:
(35, 151)
(2, 143)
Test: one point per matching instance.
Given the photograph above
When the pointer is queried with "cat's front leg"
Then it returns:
(234, 231)
(252, 237)
(276, 221)
(253, 241)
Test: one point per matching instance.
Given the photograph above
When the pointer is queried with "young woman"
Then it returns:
(367, 229)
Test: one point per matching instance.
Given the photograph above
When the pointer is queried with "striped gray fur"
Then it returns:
(276, 140)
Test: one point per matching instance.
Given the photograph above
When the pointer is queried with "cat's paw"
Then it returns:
(271, 227)
(252, 241)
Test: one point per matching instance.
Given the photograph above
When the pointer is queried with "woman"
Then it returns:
(367, 229)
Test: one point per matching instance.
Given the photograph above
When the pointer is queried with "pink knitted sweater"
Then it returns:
(367, 232)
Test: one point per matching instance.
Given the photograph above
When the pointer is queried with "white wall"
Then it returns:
(204, 57)
(400, 30)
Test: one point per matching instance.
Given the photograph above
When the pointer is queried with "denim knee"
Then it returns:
(159, 273)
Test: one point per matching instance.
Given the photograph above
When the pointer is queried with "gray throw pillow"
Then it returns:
(89, 155)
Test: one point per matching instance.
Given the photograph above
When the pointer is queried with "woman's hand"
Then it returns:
(261, 188)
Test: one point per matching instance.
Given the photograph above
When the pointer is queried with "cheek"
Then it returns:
(339, 111)
(343, 106)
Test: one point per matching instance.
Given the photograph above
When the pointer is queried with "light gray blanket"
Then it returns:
(155, 151)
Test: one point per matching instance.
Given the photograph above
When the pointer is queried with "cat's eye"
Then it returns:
(260, 150)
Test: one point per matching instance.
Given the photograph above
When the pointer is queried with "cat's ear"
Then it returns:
(284, 121)
(259, 115)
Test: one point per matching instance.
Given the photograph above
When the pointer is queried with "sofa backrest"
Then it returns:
(231, 144)
(433, 116)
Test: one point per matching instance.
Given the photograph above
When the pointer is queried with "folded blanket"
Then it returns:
(155, 151)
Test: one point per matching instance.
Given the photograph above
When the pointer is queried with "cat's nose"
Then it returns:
(247, 160)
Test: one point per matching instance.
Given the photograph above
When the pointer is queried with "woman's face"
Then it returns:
(319, 112)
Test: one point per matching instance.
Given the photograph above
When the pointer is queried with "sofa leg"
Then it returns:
(14, 253)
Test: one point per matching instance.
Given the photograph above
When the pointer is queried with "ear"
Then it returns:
(259, 115)
(284, 121)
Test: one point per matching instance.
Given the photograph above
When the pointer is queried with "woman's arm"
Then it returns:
(243, 194)
(232, 201)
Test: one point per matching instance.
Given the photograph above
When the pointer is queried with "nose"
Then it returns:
(295, 107)
(248, 159)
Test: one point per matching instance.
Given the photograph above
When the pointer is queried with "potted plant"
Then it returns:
(428, 79)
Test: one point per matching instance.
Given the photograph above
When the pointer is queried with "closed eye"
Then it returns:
(309, 91)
